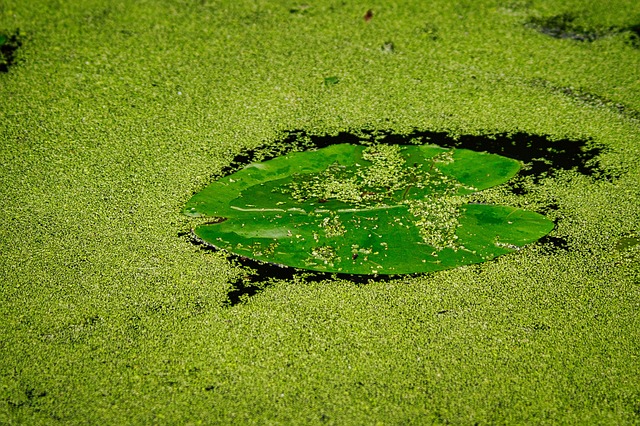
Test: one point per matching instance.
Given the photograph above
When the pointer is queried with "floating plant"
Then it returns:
(366, 209)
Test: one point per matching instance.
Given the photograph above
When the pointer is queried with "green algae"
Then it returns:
(109, 317)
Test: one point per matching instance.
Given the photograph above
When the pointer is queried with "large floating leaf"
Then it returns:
(381, 209)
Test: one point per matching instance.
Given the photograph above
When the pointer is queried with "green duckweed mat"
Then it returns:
(113, 114)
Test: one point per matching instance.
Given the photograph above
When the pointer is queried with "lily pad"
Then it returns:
(377, 209)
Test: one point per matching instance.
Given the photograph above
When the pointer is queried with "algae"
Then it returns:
(116, 112)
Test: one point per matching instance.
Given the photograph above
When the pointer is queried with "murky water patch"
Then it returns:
(9, 44)
(565, 26)
(568, 26)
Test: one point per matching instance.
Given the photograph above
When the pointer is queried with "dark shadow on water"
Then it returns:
(554, 244)
(541, 155)
(566, 26)
(634, 35)
(8, 46)
(264, 273)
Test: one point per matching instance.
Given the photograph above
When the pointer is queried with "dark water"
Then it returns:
(567, 26)
(8, 46)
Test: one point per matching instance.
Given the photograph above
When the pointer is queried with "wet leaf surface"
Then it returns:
(377, 209)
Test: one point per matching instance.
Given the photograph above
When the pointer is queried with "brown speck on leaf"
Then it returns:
(368, 15)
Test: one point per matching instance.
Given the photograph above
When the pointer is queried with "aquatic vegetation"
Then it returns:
(376, 209)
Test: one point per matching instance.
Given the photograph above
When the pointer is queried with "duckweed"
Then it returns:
(114, 113)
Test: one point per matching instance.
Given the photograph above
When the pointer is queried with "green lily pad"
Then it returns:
(379, 209)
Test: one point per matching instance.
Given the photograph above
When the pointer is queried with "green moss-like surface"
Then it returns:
(114, 113)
